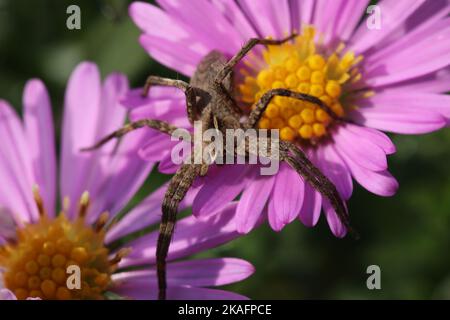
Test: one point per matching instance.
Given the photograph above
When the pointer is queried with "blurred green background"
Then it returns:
(407, 235)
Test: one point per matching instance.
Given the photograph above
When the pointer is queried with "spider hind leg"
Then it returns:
(305, 168)
(177, 190)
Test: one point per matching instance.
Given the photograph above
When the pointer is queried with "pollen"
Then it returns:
(36, 262)
(306, 67)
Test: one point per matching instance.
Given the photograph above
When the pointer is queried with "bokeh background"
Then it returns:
(408, 235)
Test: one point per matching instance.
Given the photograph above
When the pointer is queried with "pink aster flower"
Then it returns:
(388, 79)
(36, 245)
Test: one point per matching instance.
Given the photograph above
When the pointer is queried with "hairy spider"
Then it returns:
(209, 99)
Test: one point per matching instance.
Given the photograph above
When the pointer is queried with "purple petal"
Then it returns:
(196, 273)
(274, 220)
(301, 13)
(202, 20)
(146, 213)
(80, 121)
(288, 194)
(116, 172)
(156, 147)
(191, 235)
(379, 183)
(167, 40)
(233, 13)
(403, 63)
(41, 140)
(333, 220)
(338, 19)
(335, 169)
(134, 98)
(394, 13)
(347, 17)
(142, 290)
(312, 205)
(6, 294)
(438, 103)
(270, 18)
(220, 189)
(399, 119)
(15, 167)
(253, 201)
(167, 166)
(434, 82)
(367, 154)
(377, 137)
(202, 294)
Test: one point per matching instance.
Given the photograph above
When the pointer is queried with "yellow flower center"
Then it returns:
(300, 67)
(36, 263)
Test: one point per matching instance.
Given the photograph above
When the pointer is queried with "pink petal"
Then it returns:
(312, 205)
(399, 119)
(146, 213)
(156, 147)
(338, 19)
(80, 121)
(15, 167)
(394, 13)
(333, 220)
(379, 183)
(301, 13)
(196, 273)
(438, 103)
(141, 290)
(270, 18)
(253, 201)
(377, 137)
(165, 39)
(367, 154)
(434, 82)
(192, 235)
(6, 294)
(335, 169)
(172, 54)
(41, 140)
(116, 171)
(402, 63)
(134, 98)
(202, 20)
(231, 11)
(288, 194)
(220, 189)
(167, 166)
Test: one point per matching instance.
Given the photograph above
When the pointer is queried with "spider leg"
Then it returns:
(304, 167)
(227, 69)
(161, 126)
(262, 104)
(178, 187)
(188, 90)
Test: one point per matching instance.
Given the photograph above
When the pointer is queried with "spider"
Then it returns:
(209, 99)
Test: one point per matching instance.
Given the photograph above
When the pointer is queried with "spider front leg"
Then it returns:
(188, 90)
(265, 100)
(178, 187)
(161, 126)
(228, 68)
(304, 167)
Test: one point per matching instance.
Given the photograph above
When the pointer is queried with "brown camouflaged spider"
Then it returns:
(209, 99)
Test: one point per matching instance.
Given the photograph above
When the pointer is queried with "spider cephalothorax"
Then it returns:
(210, 100)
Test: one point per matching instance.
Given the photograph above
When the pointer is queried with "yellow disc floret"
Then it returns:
(36, 264)
(300, 67)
